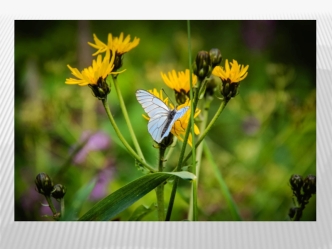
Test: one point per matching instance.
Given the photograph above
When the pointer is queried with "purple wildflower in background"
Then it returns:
(104, 178)
(95, 142)
(31, 198)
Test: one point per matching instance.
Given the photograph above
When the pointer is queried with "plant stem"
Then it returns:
(224, 189)
(178, 167)
(183, 149)
(116, 129)
(125, 114)
(198, 159)
(50, 204)
(160, 188)
(193, 206)
(56, 215)
(171, 149)
(62, 206)
(201, 138)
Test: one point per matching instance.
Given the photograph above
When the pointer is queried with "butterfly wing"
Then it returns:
(160, 127)
(151, 104)
(156, 126)
(178, 114)
(162, 118)
(158, 112)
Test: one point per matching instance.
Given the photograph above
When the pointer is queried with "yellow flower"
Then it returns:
(100, 69)
(180, 125)
(119, 45)
(179, 82)
(233, 74)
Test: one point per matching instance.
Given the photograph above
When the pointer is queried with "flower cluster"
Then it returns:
(302, 189)
(95, 75)
(205, 64)
(45, 186)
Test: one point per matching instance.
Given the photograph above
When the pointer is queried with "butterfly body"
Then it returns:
(162, 118)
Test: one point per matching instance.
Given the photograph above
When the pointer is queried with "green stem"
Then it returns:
(193, 206)
(56, 215)
(62, 206)
(178, 167)
(50, 204)
(171, 149)
(116, 129)
(160, 188)
(206, 104)
(125, 114)
(224, 189)
(208, 128)
(181, 161)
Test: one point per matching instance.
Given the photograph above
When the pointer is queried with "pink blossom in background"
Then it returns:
(104, 178)
(96, 141)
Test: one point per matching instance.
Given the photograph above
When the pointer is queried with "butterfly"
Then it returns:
(161, 116)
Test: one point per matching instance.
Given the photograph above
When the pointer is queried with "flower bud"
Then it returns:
(101, 89)
(212, 85)
(229, 90)
(215, 57)
(309, 185)
(118, 61)
(181, 96)
(296, 182)
(202, 66)
(58, 191)
(44, 184)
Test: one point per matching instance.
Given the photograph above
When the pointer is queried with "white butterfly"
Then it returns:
(161, 117)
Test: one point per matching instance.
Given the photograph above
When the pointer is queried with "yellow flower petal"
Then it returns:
(100, 68)
(116, 44)
(179, 81)
(233, 72)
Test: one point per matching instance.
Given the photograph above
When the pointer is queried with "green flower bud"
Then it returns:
(309, 185)
(44, 184)
(212, 85)
(296, 182)
(215, 57)
(202, 66)
(181, 96)
(229, 90)
(58, 191)
(118, 61)
(101, 89)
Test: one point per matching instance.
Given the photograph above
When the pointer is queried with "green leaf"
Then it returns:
(185, 175)
(142, 211)
(76, 204)
(124, 197)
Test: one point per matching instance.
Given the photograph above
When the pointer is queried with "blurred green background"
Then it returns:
(265, 134)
